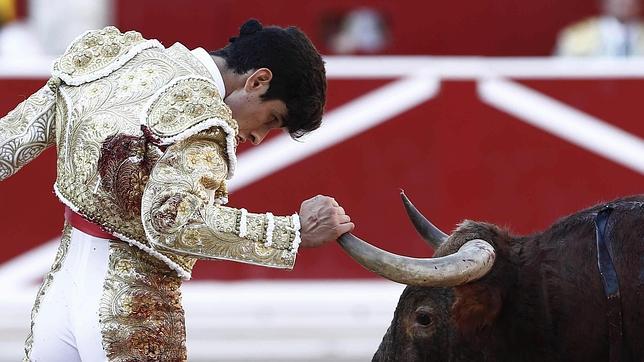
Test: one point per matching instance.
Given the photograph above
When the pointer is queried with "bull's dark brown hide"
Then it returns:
(542, 301)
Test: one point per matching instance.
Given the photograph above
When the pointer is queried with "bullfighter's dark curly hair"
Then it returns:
(299, 78)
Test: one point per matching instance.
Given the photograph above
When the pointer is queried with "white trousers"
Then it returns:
(66, 327)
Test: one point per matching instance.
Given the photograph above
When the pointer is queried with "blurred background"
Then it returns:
(505, 111)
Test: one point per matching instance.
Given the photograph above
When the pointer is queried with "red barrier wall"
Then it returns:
(459, 27)
(455, 156)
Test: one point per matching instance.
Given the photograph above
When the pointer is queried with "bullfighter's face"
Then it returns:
(256, 116)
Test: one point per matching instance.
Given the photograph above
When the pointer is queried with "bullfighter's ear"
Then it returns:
(476, 306)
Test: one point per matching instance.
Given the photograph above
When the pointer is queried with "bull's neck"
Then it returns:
(528, 303)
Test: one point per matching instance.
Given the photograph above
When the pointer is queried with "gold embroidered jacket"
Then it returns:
(145, 145)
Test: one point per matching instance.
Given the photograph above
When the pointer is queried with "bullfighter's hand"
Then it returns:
(322, 220)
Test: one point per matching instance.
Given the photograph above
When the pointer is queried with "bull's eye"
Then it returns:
(423, 317)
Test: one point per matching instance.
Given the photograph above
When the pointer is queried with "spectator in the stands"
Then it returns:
(617, 32)
(49, 26)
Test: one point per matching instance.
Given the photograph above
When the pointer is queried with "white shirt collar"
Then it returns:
(210, 64)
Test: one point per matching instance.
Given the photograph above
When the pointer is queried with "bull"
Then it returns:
(487, 295)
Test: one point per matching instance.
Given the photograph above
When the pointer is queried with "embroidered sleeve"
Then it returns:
(26, 131)
(182, 209)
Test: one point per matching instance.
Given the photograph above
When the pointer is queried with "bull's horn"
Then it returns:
(433, 235)
(471, 262)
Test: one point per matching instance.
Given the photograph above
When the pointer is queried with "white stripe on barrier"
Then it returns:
(339, 125)
(483, 67)
(383, 67)
(28, 67)
(21, 271)
(565, 122)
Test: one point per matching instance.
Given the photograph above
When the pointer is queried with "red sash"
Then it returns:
(84, 225)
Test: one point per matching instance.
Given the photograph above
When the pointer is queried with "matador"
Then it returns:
(146, 138)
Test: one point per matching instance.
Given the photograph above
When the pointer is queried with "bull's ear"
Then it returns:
(476, 306)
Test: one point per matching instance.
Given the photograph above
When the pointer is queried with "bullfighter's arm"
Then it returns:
(182, 212)
(27, 130)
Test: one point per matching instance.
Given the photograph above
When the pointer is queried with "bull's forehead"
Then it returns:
(430, 296)
(472, 230)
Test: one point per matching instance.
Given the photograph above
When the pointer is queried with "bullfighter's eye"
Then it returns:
(423, 318)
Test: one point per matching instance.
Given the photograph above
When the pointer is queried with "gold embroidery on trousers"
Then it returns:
(140, 311)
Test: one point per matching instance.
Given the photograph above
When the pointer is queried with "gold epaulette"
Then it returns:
(186, 106)
(97, 53)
